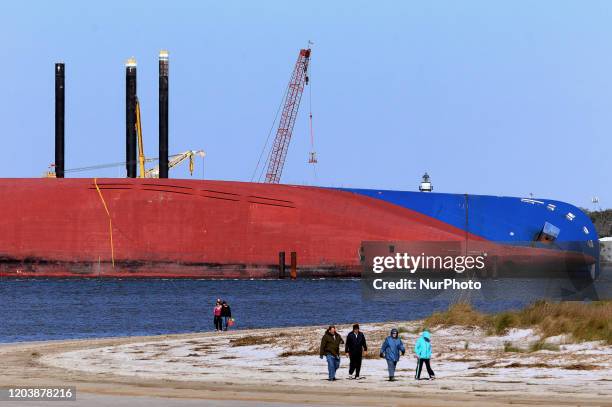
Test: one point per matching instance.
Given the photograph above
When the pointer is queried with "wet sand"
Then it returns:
(278, 367)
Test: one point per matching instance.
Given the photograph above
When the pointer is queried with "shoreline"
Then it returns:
(278, 365)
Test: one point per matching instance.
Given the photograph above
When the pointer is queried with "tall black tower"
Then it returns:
(130, 117)
(163, 114)
(59, 119)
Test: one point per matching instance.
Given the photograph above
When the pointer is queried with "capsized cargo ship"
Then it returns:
(143, 227)
(171, 228)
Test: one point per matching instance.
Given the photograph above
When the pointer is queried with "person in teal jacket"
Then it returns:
(390, 350)
(422, 351)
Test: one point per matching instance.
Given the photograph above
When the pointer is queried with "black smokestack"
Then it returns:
(59, 119)
(130, 117)
(163, 114)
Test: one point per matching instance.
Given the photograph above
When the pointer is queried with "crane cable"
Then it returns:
(263, 150)
(312, 159)
(111, 165)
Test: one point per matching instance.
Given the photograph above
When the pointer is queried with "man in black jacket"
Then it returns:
(355, 348)
(226, 314)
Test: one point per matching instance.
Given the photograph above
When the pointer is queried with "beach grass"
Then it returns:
(583, 321)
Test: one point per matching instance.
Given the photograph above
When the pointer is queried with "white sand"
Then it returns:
(583, 369)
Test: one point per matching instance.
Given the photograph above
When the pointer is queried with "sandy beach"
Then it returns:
(282, 367)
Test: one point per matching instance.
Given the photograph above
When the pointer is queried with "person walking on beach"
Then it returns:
(226, 314)
(390, 350)
(355, 348)
(422, 351)
(217, 316)
(330, 348)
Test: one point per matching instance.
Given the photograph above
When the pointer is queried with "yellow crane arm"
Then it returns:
(176, 160)
(141, 156)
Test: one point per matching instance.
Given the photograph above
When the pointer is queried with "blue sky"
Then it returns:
(503, 98)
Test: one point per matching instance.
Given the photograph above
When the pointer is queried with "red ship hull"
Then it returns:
(128, 228)
(192, 229)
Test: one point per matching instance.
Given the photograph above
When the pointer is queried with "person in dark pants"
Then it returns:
(330, 348)
(217, 316)
(355, 348)
(422, 351)
(226, 314)
(391, 349)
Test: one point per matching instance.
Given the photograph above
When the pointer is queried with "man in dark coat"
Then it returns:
(226, 314)
(330, 348)
(355, 348)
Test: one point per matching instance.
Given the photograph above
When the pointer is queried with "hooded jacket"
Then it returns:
(331, 344)
(392, 347)
(422, 347)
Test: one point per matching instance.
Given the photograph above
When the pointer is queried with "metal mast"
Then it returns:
(299, 78)
(163, 114)
(60, 92)
(130, 117)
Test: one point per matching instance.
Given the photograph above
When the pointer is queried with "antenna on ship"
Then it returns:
(426, 185)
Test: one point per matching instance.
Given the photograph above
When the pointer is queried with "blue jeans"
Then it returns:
(226, 323)
(391, 366)
(333, 363)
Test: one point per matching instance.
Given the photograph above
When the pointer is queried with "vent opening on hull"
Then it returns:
(548, 234)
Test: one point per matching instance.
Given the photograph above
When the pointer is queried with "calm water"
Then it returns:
(60, 309)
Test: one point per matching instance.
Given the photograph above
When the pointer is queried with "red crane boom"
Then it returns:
(299, 78)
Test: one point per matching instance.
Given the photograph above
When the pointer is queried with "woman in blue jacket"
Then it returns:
(390, 350)
(422, 351)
